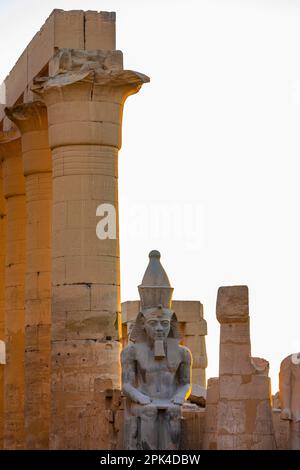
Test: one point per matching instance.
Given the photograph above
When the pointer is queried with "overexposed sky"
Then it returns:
(209, 169)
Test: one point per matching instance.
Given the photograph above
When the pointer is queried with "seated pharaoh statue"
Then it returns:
(156, 370)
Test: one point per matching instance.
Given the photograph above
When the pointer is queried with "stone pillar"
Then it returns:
(244, 419)
(14, 192)
(31, 119)
(84, 95)
(2, 297)
(211, 414)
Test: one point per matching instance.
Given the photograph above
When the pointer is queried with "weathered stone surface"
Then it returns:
(31, 120)
(232, 304)
(89, 30)
(244, 419)
(193, 427)
(198, 395)
(13, 190)
(2, 299)
(213, 391)
(100, 30)
(244, 387)
(196, 328)
(281, 430)
(289, 392)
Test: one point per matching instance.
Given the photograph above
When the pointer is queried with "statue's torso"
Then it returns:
(157, 378)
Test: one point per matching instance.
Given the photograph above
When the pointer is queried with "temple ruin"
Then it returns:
(62, 326)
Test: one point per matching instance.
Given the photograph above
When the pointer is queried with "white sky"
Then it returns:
(214, 137)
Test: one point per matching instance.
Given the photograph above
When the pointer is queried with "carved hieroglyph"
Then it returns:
(155, 368)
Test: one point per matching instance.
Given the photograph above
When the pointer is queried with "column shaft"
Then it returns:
(31, 119)
(14, 193)
(2, 298)
(86, 277)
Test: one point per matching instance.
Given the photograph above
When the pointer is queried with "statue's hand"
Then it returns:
(143, 399)
(178, 400)
(286, 414)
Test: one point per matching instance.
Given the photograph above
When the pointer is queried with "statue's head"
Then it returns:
(156, 320)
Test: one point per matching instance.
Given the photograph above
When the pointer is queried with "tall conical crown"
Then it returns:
(155, 288)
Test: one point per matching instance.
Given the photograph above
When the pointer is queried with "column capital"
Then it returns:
(85, 94)
(32, 121)
(11, 156)
(94, 75)
(28, 117)
(10, 144)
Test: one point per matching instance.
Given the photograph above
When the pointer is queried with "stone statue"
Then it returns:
(156, 370)
(289, 389)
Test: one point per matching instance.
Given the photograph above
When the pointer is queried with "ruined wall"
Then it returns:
(244, 419)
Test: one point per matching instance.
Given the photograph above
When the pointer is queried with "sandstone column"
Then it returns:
(31, 119)
(244, 419)
(84, 96)
(14, 192)
(2, 297)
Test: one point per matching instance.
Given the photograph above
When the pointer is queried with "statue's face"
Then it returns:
(157, 326)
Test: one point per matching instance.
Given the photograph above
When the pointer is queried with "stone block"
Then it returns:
(40, 49)
(196, 328)
(188, 310)
(193, 426)
(69, 29)
(235, 359)
(88, 358)
(38, 311)
(82, 241)
(130, 310)
(92, 325)
(213, 391)
(16, 81)
(100, 30)
(211, 418)
(199, 376)
(244, 387)
(91, 269)
(233, 304)
(264, 423)
(104, 297)
(71, 297)
(231, 417)
(238, 333)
